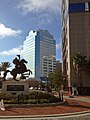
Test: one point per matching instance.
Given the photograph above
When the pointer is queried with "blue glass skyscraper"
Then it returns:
(37, 45)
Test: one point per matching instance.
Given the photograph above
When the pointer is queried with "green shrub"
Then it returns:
(7, 96)
(33, 97)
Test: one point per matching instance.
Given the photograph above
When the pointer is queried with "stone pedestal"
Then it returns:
(15, 87)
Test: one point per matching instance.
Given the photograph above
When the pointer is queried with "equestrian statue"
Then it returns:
(20, 68)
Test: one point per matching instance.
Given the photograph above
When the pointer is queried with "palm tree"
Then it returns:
(79, 63)
(4, 66)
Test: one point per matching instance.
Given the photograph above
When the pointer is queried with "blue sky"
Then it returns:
(18, 17)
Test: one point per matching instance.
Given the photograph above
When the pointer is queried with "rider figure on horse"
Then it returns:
(20, 68)
(16, 62)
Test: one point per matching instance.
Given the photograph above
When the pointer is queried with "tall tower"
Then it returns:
(36, 47)
(75, 38)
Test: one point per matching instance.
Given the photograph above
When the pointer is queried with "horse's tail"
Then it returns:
(5, 73)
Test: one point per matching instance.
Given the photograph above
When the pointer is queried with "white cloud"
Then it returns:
(6, 32)
(45, 19)
(40, 6)
(13, 51)
(45, 10)
(58, 46)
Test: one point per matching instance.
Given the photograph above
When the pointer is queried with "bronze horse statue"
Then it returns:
(20, 68)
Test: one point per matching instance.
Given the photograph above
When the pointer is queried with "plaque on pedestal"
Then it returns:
(15, 87)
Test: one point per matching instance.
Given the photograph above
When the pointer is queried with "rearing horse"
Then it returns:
(20, 68)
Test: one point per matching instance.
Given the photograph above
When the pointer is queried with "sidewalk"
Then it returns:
(80, 98)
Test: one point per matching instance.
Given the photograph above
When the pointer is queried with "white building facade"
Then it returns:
(49, 65)
(37, 45)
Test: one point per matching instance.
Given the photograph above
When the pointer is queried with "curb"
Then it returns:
(43, 116)
(33, 105)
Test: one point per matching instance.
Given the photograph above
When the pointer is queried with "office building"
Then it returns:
(75, 38)
(49, 65)
(58, 65)
(38, 46)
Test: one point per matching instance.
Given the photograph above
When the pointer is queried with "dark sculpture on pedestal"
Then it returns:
(20, 68)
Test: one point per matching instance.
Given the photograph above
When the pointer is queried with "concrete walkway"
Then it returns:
(84, 99)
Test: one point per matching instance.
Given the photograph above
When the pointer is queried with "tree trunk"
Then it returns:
(81, 85)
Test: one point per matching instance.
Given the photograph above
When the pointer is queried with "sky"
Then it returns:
(18, 17)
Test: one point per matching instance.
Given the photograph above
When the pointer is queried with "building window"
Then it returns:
(89, 5)
(77, 7)
(86, 6)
